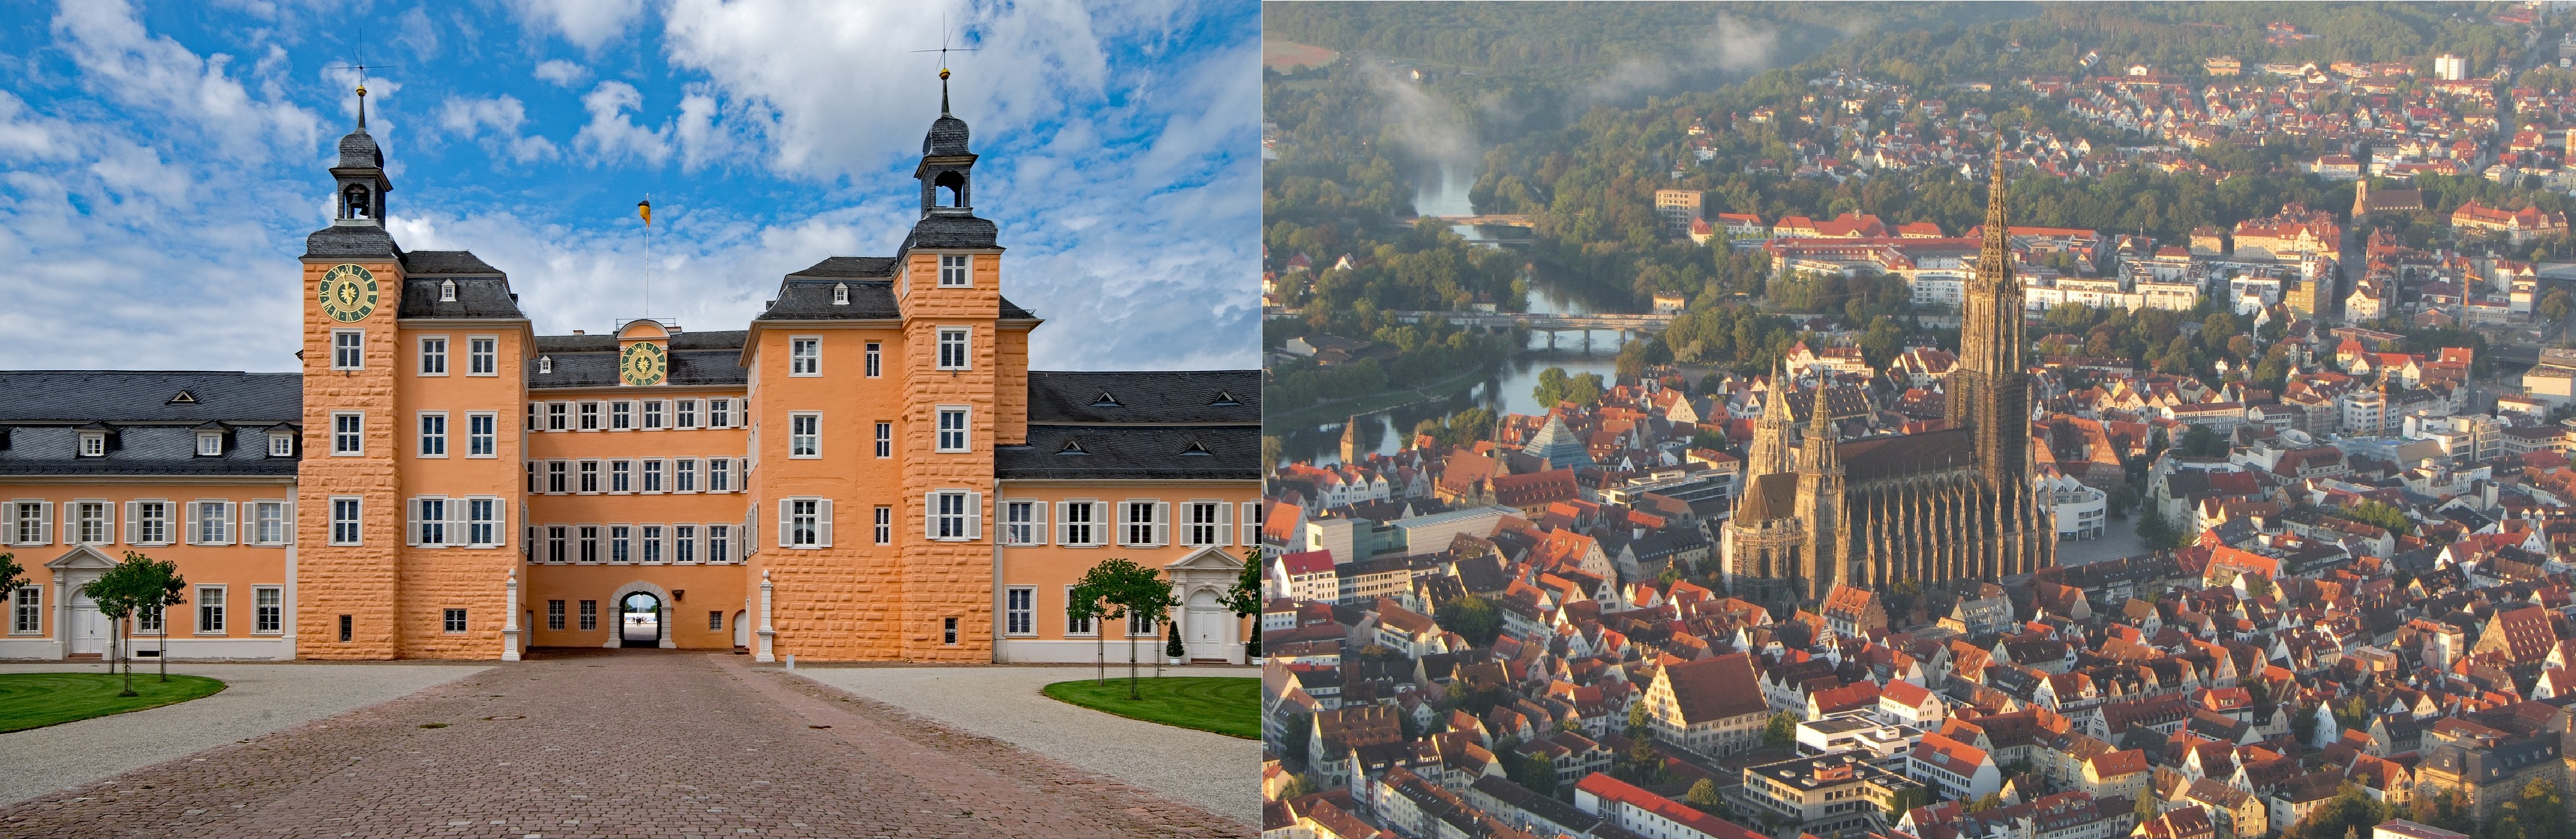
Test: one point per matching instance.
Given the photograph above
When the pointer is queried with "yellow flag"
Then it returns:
(644, 208)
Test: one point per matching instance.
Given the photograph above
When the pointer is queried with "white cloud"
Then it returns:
(501, 116)
(611, 133)
(158, 75)
(561, 73)
(586, 23)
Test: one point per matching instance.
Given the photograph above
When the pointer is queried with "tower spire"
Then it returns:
(1822, 436)
(362, 104)
(1769, 452)
(943, 93)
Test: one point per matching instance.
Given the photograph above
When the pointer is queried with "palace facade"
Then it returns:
(868, 470)
(1953, 504)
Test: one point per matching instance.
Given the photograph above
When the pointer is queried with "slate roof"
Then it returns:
(43, 411)
(947, 136)
(445, 264)
(951, 230)
(1181, 396)
(807, 294)
(1133, 453)
(358, 150)
(350, 241)
(82, 396)
(697, 358)
(477, 298)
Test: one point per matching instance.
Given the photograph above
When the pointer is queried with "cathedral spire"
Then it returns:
(1822, 438)
(1769, 452)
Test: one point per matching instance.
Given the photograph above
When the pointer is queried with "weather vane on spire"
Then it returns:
(360, 66)
(943, 51)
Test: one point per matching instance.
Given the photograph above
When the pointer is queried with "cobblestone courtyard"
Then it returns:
(614, 744)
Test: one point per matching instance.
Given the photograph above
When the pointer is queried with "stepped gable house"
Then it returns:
(869, 469)
(1952, 504)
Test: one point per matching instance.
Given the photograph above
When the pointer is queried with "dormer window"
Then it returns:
(1197, 449)
(93, 444)
(840, 294)
(1072, 446)
(447, 291)
(281, 444)
(545, 364)
(210, 444)
(1224, 399)
(1104, 400)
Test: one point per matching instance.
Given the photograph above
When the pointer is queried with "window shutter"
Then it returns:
(458, 533)
(133, 532)
(411, 521)
(195, 533)
(930, 516)
(225, 524)
(1251, 524)
(1038, 522)
(1162, 523)
(1064, 518)
(500, 524)
(1118, 521)
(71, 525)
(786, 509)
(1224, 523)
(823, 523)
(974, 515)
(44, 522)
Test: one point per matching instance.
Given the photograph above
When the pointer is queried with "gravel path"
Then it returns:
(1213, 771)
(256, 699)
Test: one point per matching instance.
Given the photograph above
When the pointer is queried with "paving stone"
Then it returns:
(616, 744)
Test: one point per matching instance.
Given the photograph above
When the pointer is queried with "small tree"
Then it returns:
(118, 593)
(1089, 601)
(1781, 731)
(1142, 591)
(1703, 796)
(11, 576)
(162, 588)
(1244, 600)
(1172, 647)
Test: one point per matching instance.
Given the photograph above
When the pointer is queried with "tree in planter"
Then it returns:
(1244, 600)
(1172, 648)
(118, 592)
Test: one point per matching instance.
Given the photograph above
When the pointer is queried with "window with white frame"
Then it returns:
(147, 522)
(1023, 522)
(31, 523)
(876, 359)
(557, 536)
(433, 434)
(587, 538)
(1141, 625)
(212, 524)
(804, 435)
(804, 356)
(652, 542)
(281, 444)
(1078, 523)
(210, 444)
(93, 444)
(589, 478)
(482, 434)
(558, 477)
(952, 428)
(1144, 523)
(653, 474)
(589, 417)
(545, 364)
(621, 415)
(558, 416)
(1203, 523)
(268, 522)
(621, 476)
(1020, 610)
(884, 525)
(719, 474)
(90, 523)
(210, 610)
(885, 440)
(621, 543)
(653, 415)
(719, 413)
(1075, 624)
(267, 610)
(344, 520)
(684, 474)
(454, 621)
(954, 516)
(802, 521)
(719, 543)
(348, 434)
(348, 349)
(953, 270)
(684, 543)
(534, 410)
(27, 611)
(952, 347)
(684, 413)
(433, 355)
(429, 522)
(483, 522)
(482, 356)
(148, 620)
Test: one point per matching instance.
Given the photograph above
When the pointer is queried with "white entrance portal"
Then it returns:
(1208, 630)
(89, 626)
(1205, 626)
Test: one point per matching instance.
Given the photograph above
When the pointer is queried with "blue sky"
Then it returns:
(160, 164)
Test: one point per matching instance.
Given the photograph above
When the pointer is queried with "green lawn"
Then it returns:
(1227, 705)
(36, 700)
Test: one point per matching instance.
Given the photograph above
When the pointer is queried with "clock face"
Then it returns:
(347, 293)
(642, 364)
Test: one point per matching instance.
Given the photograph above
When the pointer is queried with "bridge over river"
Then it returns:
(1629, 327)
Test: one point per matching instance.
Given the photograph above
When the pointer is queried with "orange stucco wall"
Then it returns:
(239, 568)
